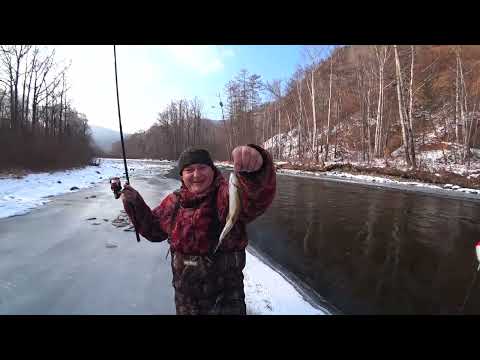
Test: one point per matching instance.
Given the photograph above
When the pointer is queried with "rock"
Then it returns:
(130, 228)
(95, 223)
(91, 182)
(98, 172)
(121, 220)
(59, 182)
(119, 225)
(92, 218)
(86, 198)
(74, 188)
(93, 196)
(110, 245)
(105, 220)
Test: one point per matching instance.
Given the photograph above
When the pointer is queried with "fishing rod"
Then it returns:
(115, 182)
(477, 249)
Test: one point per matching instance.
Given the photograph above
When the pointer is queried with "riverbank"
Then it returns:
(443, 180)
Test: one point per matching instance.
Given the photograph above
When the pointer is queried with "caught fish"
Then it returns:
(234, 207)
(477, 248)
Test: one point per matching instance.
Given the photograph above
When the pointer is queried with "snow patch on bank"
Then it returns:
(19, 196)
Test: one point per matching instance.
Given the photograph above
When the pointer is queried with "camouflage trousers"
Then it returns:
(209, 287)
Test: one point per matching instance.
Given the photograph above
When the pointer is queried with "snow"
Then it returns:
(19, 196)
(380, 180)
(223, 164)
(266, 291)
(429, 157)
(434, 149)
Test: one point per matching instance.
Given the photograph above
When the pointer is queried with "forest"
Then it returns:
(346, 103)
(39, 127)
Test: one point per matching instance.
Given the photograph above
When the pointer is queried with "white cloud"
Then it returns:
(205, 59)
(228, 52)
(92, 82)
(149, 77)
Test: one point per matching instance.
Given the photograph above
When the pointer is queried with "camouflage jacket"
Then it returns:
(193, 227)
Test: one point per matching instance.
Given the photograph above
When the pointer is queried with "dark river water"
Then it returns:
(370, 250)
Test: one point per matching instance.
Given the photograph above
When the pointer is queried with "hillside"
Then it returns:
(351, 115)
(104, 138)
(357, 105)
(168, 139)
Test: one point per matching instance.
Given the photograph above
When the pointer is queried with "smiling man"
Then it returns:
(192, 219)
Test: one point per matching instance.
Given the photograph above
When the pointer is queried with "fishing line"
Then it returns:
(121, 136)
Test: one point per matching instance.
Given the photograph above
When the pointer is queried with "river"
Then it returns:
(373, 250)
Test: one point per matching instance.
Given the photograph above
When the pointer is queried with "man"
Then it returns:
(192, 219)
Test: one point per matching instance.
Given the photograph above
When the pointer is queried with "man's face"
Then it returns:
(197, 178)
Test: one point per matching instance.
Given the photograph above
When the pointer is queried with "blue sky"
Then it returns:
(271, 62)
(152, 76)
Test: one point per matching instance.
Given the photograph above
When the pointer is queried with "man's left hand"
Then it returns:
(246, 158)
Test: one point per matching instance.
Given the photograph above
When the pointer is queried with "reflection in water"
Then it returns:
(373, 250)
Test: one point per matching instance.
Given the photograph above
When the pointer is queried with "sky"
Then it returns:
(151, 76)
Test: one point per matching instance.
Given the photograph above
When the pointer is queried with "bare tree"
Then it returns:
(30, 83)
(457, 95)
(401, 108)
(382, 56)
(410, 110)
(329, 109)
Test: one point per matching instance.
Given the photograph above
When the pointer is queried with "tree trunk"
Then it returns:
(463, 109)
(378, 127)
(29, 88)
(280, 152)
(410, 112)
(22, 117)
(329, 111)
(314, 142)
(400, 107)
(369, 138)
(457, 94)
(290, 139)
